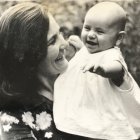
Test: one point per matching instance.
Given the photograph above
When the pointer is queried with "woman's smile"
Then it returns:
(55, 61)
(59, 58)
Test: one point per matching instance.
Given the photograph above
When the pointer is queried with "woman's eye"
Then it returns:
(62, 34)
(52, 40)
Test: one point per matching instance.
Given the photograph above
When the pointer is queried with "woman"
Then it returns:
(31, 57)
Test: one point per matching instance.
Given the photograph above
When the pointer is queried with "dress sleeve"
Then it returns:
(115, 55)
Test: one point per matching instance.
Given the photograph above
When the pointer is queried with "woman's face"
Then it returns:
(55, 61)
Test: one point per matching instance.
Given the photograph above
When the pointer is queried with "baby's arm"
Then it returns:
(75, 44)
(113, 70)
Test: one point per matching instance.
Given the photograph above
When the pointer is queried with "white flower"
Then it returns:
(43, 120)
(7, 127)
(7, 119)
(48, 135)
(28, 119)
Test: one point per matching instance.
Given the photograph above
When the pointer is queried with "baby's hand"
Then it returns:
(75, 45)
(75, 42)
(111, 69)
(97, 68)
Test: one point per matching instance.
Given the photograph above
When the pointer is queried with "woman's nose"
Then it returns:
(91, 35)
(64, 44)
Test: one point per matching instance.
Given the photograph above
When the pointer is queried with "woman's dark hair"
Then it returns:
(23, 44)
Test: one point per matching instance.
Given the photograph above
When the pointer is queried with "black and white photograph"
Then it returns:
(69, 69)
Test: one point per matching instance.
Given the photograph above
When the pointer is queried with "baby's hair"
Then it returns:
(112, 8)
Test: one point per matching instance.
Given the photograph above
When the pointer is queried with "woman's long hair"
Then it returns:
(23, 44)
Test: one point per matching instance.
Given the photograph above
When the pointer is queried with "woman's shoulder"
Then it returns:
(28, 121)
(23, 101)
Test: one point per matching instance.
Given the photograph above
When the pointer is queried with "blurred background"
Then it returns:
(70, 16)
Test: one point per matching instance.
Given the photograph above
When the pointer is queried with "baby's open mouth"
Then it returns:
(91, 43)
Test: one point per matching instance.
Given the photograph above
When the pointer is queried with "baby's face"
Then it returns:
(98, 33)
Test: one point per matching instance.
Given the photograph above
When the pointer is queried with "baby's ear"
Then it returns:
(120, 37)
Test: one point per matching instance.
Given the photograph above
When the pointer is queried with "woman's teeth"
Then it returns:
(59, 58)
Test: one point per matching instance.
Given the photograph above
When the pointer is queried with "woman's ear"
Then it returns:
(120, 37)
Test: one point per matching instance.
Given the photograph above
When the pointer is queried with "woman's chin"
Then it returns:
(61, 66)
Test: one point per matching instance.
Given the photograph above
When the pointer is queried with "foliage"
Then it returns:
(131, 45)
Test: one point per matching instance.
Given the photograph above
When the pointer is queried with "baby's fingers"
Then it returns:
(83, 67)
(96, 67)
(88, 67)
(74, 37)
(75, 41)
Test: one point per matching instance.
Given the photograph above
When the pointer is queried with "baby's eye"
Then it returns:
(100, 31)
(87, 28)
(52, 40)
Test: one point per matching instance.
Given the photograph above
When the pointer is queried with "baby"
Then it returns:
(96, 96)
